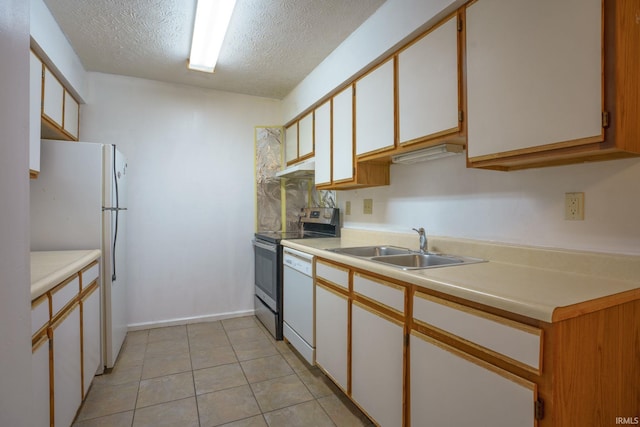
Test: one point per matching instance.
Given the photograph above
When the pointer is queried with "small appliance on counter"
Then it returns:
(314, 223)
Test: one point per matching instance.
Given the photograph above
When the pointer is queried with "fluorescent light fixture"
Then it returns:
(212, 21)
(431, 153)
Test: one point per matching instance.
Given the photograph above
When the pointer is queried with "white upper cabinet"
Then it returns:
(71, 110)
(534, 75)
(53, 102)
(291, 143)
(343, 135)
(375, 118)
(322, 134)
(299, 140)
(35, 110)
(305, 136)
(428, 85)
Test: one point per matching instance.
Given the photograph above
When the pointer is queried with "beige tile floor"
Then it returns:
(225, 373)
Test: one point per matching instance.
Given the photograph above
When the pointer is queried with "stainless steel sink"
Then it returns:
(372, 251)
(404, 258)
(417, 260)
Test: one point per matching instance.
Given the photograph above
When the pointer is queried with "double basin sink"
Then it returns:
(404, 258)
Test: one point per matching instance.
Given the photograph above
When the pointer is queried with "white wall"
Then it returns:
(521, 207)
(393, 22)
(191, 191)
(15, 299)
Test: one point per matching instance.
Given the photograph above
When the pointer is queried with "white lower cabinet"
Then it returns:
(332, 334)
(450, 388)
(377, 351)
(67, 375)
(90, 337)
(41, 412)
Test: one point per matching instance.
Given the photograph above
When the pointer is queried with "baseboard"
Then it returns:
(188, 320)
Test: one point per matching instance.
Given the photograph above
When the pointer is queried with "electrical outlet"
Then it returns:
(367, 207)
(347, 208)
(574, 206)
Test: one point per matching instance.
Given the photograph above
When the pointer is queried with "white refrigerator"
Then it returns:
(79, 201)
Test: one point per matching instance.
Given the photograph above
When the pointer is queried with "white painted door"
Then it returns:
(67, 380)
(90, 337)
(534, 73)
(331, 334)
(71, 111)
(428, 84)
(375, 110)
(377, 365)
(452, 389)
(305, 136)
(35, 111)
(53, 98)
(343, 136)
(40, 384)
(322, 132)
(291, 143)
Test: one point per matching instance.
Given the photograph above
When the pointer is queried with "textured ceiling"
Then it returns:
(270, 47)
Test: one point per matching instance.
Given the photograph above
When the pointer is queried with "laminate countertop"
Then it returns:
(546, 294)
(48, 268)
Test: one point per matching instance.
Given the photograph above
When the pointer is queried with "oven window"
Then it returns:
(266, 273)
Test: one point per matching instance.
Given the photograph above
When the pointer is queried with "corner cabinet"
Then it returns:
(334, 146)
(536, 75)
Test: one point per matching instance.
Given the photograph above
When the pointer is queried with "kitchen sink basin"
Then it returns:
(404, 258)
(417, 260)
(372, 251)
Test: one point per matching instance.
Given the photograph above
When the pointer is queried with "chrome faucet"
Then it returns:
(423, 240)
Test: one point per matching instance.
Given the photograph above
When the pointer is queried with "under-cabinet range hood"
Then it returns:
(304, 169)
(431, 153)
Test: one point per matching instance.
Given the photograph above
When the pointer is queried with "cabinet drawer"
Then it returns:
(64, 293)
(90, 274)
(388, 294)
(515, 342)
(333, 274)
(39, 313)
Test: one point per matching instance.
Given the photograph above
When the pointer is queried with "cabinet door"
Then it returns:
(343, 136)
(453, 389)
(377, 365)
(53, 98)
(305, 136)
(90, 337)
(375, 110)
(331, 334)
(71, 111)
(428, 85)
(291, 143)
(67, 379)
(322, 133)
(41, 414)
(35, 111)
(534, 75)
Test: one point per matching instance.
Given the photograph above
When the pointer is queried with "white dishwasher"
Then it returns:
(299, 304)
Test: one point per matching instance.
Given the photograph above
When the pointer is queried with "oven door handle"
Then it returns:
(265, 246)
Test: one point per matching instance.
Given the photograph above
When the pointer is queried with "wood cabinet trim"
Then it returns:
(536, 332)
(376, 311)
(498, 319)
(506, 374)
(65, 312)
(329, 287)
